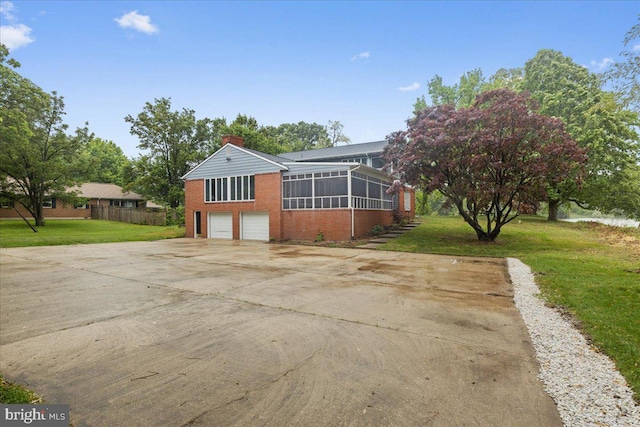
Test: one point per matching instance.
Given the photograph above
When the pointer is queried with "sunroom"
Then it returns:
(336, 186)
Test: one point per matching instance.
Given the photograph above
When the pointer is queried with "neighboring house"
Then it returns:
(94, 193)
(239, 193)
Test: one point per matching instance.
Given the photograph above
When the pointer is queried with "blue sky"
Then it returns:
(362, 63)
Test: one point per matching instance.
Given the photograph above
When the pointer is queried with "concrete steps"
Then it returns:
(390, 235)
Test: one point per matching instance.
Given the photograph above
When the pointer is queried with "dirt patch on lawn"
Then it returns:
(626, 237)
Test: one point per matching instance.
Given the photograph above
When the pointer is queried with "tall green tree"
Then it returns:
(611, 184)
(283, 138)
(173, 142)
(595, 120)
(461, 94)
(104, 160)
(625, 74)
(301, 136)
(38, 159)
(255, 136)
(508, 78)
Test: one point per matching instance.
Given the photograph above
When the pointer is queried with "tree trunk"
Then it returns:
(554, 205)
(39, 215)
(482, 236)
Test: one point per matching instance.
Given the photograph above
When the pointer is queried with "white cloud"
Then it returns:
(361, 55)
(137, 22)
(602, 64)
(411, 87)
(5, 10)
(636, 47)
(15, 35)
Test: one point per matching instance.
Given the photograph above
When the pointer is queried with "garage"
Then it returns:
(220, 225)
(255, 226)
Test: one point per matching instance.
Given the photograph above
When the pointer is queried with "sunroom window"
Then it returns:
(330, 190)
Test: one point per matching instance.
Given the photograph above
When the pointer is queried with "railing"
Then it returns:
(366, 203)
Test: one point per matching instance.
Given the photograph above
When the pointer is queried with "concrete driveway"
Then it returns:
(201, 332)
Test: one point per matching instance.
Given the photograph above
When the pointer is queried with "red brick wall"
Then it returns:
(411, 213)
(334, 224)
(268, 193)
(367, 219)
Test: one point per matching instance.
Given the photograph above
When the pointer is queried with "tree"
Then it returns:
(174, 142)
(611, 183)
(37, 158)
(462, 94)
(594, 119)
(283, 138)
(334, 129)
(104, 161)
(492, 160)
(505, 78)
(626, 74)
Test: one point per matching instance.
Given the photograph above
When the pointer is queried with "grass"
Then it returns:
(590, 270)
(14, 233)
(14, 394)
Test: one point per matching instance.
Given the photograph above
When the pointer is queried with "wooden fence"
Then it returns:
(145, 216)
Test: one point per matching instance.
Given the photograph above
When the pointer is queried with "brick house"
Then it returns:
(239, 193)
(95, 194)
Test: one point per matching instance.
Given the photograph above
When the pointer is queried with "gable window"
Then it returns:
(230, 189)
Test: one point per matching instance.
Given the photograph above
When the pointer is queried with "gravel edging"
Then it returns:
(584, 383)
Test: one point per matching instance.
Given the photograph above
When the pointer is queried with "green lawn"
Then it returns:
(11, 393)
(15, 233)
(593, 271)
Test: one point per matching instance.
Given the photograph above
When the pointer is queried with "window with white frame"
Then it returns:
(230, 189)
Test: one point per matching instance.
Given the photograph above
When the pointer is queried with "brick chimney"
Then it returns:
(232, 139)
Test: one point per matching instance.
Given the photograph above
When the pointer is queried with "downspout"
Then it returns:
(353, 211)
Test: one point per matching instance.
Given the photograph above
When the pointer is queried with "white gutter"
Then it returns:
(353, 210)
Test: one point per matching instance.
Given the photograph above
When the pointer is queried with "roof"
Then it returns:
(221, 161)
(250, 160)
(96, 190)
(276, 159)
(351, 150)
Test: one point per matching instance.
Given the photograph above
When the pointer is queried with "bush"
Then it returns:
(175, 216)
(377, 229)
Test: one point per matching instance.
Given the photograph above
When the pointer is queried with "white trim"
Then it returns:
(321, 163)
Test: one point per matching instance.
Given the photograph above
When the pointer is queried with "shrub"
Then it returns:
(377, 229)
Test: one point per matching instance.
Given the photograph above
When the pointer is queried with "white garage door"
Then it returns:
(220, 225)
(255, 226)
